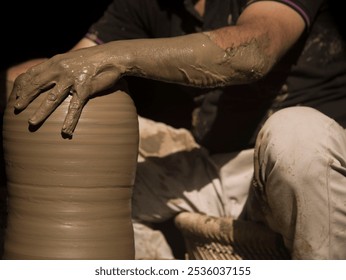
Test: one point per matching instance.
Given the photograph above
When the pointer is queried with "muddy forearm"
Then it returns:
(193, 60)
(196, 60)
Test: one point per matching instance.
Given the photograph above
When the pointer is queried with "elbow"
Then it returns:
(249, 72)
(247, 63)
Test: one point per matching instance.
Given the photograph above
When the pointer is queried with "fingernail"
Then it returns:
(33, 120)
(17, 103)
(66, 131)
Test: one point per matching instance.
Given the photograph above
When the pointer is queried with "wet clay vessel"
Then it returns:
(71, 198)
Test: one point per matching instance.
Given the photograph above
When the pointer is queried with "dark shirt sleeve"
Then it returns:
(308, 9)
(123, 19)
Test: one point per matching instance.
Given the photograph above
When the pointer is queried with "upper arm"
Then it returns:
(277, 25)
(264, 32)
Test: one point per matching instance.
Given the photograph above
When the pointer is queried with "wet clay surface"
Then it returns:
(70, 198)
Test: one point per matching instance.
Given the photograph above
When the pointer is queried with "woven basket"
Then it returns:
(212, 238)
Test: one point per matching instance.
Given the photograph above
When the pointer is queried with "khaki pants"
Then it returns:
(300, 171)
(299, 188)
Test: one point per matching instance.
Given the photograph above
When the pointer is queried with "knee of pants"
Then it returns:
(295, 139)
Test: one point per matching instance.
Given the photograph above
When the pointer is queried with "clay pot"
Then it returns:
(71, 198)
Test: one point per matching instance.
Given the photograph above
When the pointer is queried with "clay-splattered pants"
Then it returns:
(299, 188)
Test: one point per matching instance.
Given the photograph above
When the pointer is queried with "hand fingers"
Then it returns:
(81, 95)
(50, 102)
(26, 88)
(77, 103)
(22, 88)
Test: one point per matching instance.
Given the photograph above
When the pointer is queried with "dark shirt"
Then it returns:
(313, 73)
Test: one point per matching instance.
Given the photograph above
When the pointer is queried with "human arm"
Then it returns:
(232, 55)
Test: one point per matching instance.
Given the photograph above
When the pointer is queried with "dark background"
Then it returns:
(39, 28)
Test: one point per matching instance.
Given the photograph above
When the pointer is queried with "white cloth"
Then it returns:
(175, 174)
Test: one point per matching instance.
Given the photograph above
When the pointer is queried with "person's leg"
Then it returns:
(300, 181)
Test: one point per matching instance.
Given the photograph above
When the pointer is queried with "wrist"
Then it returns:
(121, 55)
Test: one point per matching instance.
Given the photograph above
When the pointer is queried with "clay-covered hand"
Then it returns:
(80, 73)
